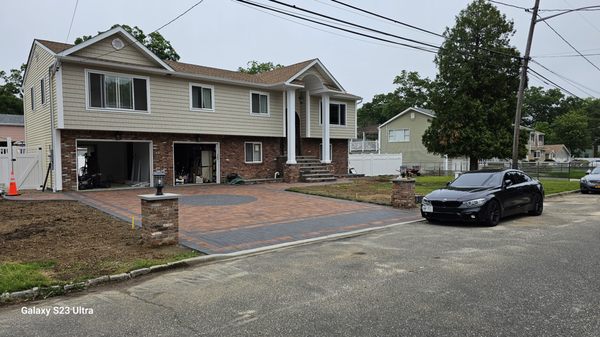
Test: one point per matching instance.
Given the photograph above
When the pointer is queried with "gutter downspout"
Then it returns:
(51, 73)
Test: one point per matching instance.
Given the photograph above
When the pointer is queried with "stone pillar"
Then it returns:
(160, 219)
(403, 193)
(291, 126)
(291, 173)
(325, 125)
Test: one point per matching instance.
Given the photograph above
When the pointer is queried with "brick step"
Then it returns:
(316, 180)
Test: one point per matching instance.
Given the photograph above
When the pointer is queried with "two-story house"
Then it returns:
(109, 112)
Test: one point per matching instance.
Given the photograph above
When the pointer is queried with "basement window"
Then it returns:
(253, 152)
(117, 92)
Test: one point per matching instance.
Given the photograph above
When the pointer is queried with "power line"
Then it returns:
(389, 19)
(72, 19)
(566, 55)
(551, 82)
(572, 82)
(509, 5)
(570, 45)
(335, 27)
(354, 24)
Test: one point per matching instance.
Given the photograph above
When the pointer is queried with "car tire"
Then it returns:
(538, 205)
(584, 192)
(491, 214)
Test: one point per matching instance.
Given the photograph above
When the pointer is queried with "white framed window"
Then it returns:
(253, 152)
(202, 97)
(32, 98)
(399, 136)
(114, 91)
(259, 103)
(412, 115)
(536, 154)
(337, 113)
(42, 91)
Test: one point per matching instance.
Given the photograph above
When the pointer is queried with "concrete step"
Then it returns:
(316, 175)
(323, 170)
(316, 180)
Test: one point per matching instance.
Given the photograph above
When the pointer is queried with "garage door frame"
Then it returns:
(217, 157)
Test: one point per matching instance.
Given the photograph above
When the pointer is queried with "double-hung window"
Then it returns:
(202, 97)
(337, 114)
(259, 103)
(42, 91)
(398, 136)
(253, 152)
(116, 91)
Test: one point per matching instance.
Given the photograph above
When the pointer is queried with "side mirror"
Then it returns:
(507, 183)
(588, 171)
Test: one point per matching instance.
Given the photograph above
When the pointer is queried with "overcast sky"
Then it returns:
(226, 34)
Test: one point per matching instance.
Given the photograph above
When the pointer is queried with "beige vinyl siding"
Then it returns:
(37, 122)
(170, 109)
(413, 151)
(337, 132)
(129, 54)
(300, 110)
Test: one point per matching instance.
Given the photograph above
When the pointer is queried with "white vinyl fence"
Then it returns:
(27, 166)
(361, 145)
(374, 164)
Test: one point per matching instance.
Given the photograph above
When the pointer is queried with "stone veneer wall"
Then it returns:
(232, 158)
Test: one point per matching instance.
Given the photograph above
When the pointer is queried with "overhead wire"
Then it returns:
(72, 20)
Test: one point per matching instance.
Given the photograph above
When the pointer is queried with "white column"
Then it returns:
(325, 127)
(307, 100)
(291, 126)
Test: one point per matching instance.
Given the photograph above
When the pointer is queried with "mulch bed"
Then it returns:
(82, 241)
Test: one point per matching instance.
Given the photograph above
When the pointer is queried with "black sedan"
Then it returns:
(591, 182)
(485, 197)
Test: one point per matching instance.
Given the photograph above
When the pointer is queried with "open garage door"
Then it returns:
(195, 163)
(113, 164)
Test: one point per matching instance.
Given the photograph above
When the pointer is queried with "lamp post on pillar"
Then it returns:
(325, 123)
(291, 126)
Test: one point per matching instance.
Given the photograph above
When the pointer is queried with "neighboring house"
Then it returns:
(535, 144)
(112, 107)
(557, 152)
(403, 133)
(11, 126)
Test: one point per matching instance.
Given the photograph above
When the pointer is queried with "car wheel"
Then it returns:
(491, 214)
(585, 191)
(538, 205)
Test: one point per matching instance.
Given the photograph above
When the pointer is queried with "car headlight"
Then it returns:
(425, 202)
(474, 203)
(583, 180)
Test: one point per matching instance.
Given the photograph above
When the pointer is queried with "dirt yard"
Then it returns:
(78, 241)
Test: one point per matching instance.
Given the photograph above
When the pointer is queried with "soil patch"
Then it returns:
(81, 241)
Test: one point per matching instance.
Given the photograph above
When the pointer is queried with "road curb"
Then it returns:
(38, 293)
(561, 193)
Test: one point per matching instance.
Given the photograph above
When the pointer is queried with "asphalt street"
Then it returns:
(529, 276)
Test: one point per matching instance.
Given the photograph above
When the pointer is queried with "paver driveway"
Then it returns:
(223, 218)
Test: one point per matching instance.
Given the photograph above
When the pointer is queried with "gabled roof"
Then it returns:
(425, 112)
(6, 119)
(555, 148)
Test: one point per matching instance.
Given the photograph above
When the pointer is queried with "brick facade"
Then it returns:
(232, 152)
(403, 193)
(160, 220)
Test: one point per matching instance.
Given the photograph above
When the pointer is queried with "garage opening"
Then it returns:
(195, 163)
(113, 164)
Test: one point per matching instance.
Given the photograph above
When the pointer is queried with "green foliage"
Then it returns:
(572, 130)
(255, 67)
(592, 110)
(154, 41)
(548, 131)
(412, 91)
(475, 90)
(541, 105)
(11, 93)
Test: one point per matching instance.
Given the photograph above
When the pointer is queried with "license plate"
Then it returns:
(597, 186)
(427, 208)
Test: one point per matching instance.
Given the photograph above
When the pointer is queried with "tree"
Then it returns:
(475, 91)
(593, 114)
(11, 93)
(541, 105)
(412, 91)
(255, 67)
(572, 130)
(154, 41)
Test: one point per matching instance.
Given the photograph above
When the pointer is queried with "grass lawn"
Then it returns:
(378, 189)
(58, 242)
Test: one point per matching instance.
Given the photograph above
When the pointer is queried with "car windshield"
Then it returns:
(596, 170)
(478, 179)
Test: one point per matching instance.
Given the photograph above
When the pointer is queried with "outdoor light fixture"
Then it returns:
(159, 181)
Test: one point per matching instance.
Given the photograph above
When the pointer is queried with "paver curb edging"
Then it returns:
(561, 193)
(45, 292)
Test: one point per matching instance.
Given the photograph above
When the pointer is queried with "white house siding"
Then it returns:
(336, 132)
(170, 110)
(37, 121)
(129, 54)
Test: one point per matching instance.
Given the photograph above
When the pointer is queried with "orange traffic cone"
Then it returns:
(12, 188)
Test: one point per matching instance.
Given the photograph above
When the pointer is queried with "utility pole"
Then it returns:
(515, 152)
